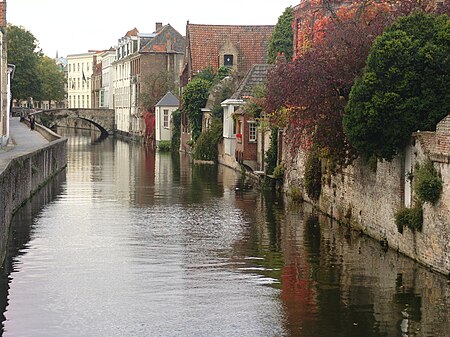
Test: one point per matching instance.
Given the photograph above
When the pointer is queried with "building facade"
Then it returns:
(106, 92)
(163, 116)
(80, 70)
(139, 59)
(238, 47)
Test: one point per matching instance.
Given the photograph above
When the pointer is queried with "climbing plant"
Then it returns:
(195, 95)
(313, 175)
(409, 217)
(427, 183)
(272, 153)
(176, 131)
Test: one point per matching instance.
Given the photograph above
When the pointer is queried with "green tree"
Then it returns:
(195, 95)
(404, 87)
(207, 74)
(52, 78)
(282, 39)
(23, 52)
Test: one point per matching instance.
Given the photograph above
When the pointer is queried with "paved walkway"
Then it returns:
(22, 141)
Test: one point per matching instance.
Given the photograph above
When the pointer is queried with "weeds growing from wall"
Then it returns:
(427, 183)
(313, 175)
(409, 217)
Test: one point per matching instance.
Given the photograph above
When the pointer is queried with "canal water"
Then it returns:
(127, 242)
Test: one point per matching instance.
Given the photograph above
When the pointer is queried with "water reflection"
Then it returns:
(138, 243)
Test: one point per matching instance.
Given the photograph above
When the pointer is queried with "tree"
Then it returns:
(154, 87)
(52, 78)
(282, 37)
(404, 87)
(310, 93)
(195, 95)
(23, 52)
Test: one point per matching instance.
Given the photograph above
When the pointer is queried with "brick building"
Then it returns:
(138, 57)
(238, 47)
(240, 130)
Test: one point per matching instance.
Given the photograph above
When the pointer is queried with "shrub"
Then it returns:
(223, 72)
(206, 145)
(409, 217)
(278, 171)
(313, 175)
(427, 184)
(164, 146)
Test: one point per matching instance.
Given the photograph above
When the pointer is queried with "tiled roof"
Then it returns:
(205, 42)
(436, 144)
(133, 32)
(256, 75)
(169, 100)
(166, 39)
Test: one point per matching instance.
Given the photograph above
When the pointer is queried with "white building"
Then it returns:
(229, 127)
(107, 90)
(163, 117)
(78, 79)
(126, 100)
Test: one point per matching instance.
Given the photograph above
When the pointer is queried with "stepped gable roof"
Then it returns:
(165, 39)
(255, 76)
(169, 100)
(205, 42)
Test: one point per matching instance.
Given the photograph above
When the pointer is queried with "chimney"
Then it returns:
(158, 26)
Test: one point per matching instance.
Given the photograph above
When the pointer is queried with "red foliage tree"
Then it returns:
(333, 42)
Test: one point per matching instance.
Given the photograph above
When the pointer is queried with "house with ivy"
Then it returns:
(242, 116)
(237, 47)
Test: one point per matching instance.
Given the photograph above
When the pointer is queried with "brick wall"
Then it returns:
(368, 201)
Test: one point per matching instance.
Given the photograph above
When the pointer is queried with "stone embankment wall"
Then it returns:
(367, 198)
(22, 177)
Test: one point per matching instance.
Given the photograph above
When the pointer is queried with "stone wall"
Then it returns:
(22, 177)
(367, 198)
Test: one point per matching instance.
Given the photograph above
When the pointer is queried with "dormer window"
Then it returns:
(228, 60)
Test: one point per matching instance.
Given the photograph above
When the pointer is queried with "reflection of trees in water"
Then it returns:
(204, 184)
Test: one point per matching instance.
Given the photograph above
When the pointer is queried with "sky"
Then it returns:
(74, 27)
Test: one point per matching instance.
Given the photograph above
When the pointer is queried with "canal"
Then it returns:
(127, 242)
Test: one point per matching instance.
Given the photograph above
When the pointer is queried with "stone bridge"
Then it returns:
(103, 119)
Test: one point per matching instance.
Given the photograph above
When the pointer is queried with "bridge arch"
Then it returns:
(102, 119)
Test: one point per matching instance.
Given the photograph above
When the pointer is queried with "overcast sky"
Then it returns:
(72, 27)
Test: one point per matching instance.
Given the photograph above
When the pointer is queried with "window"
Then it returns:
(166, 118)
(228, 60)
(252, 132)
(82, 100)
